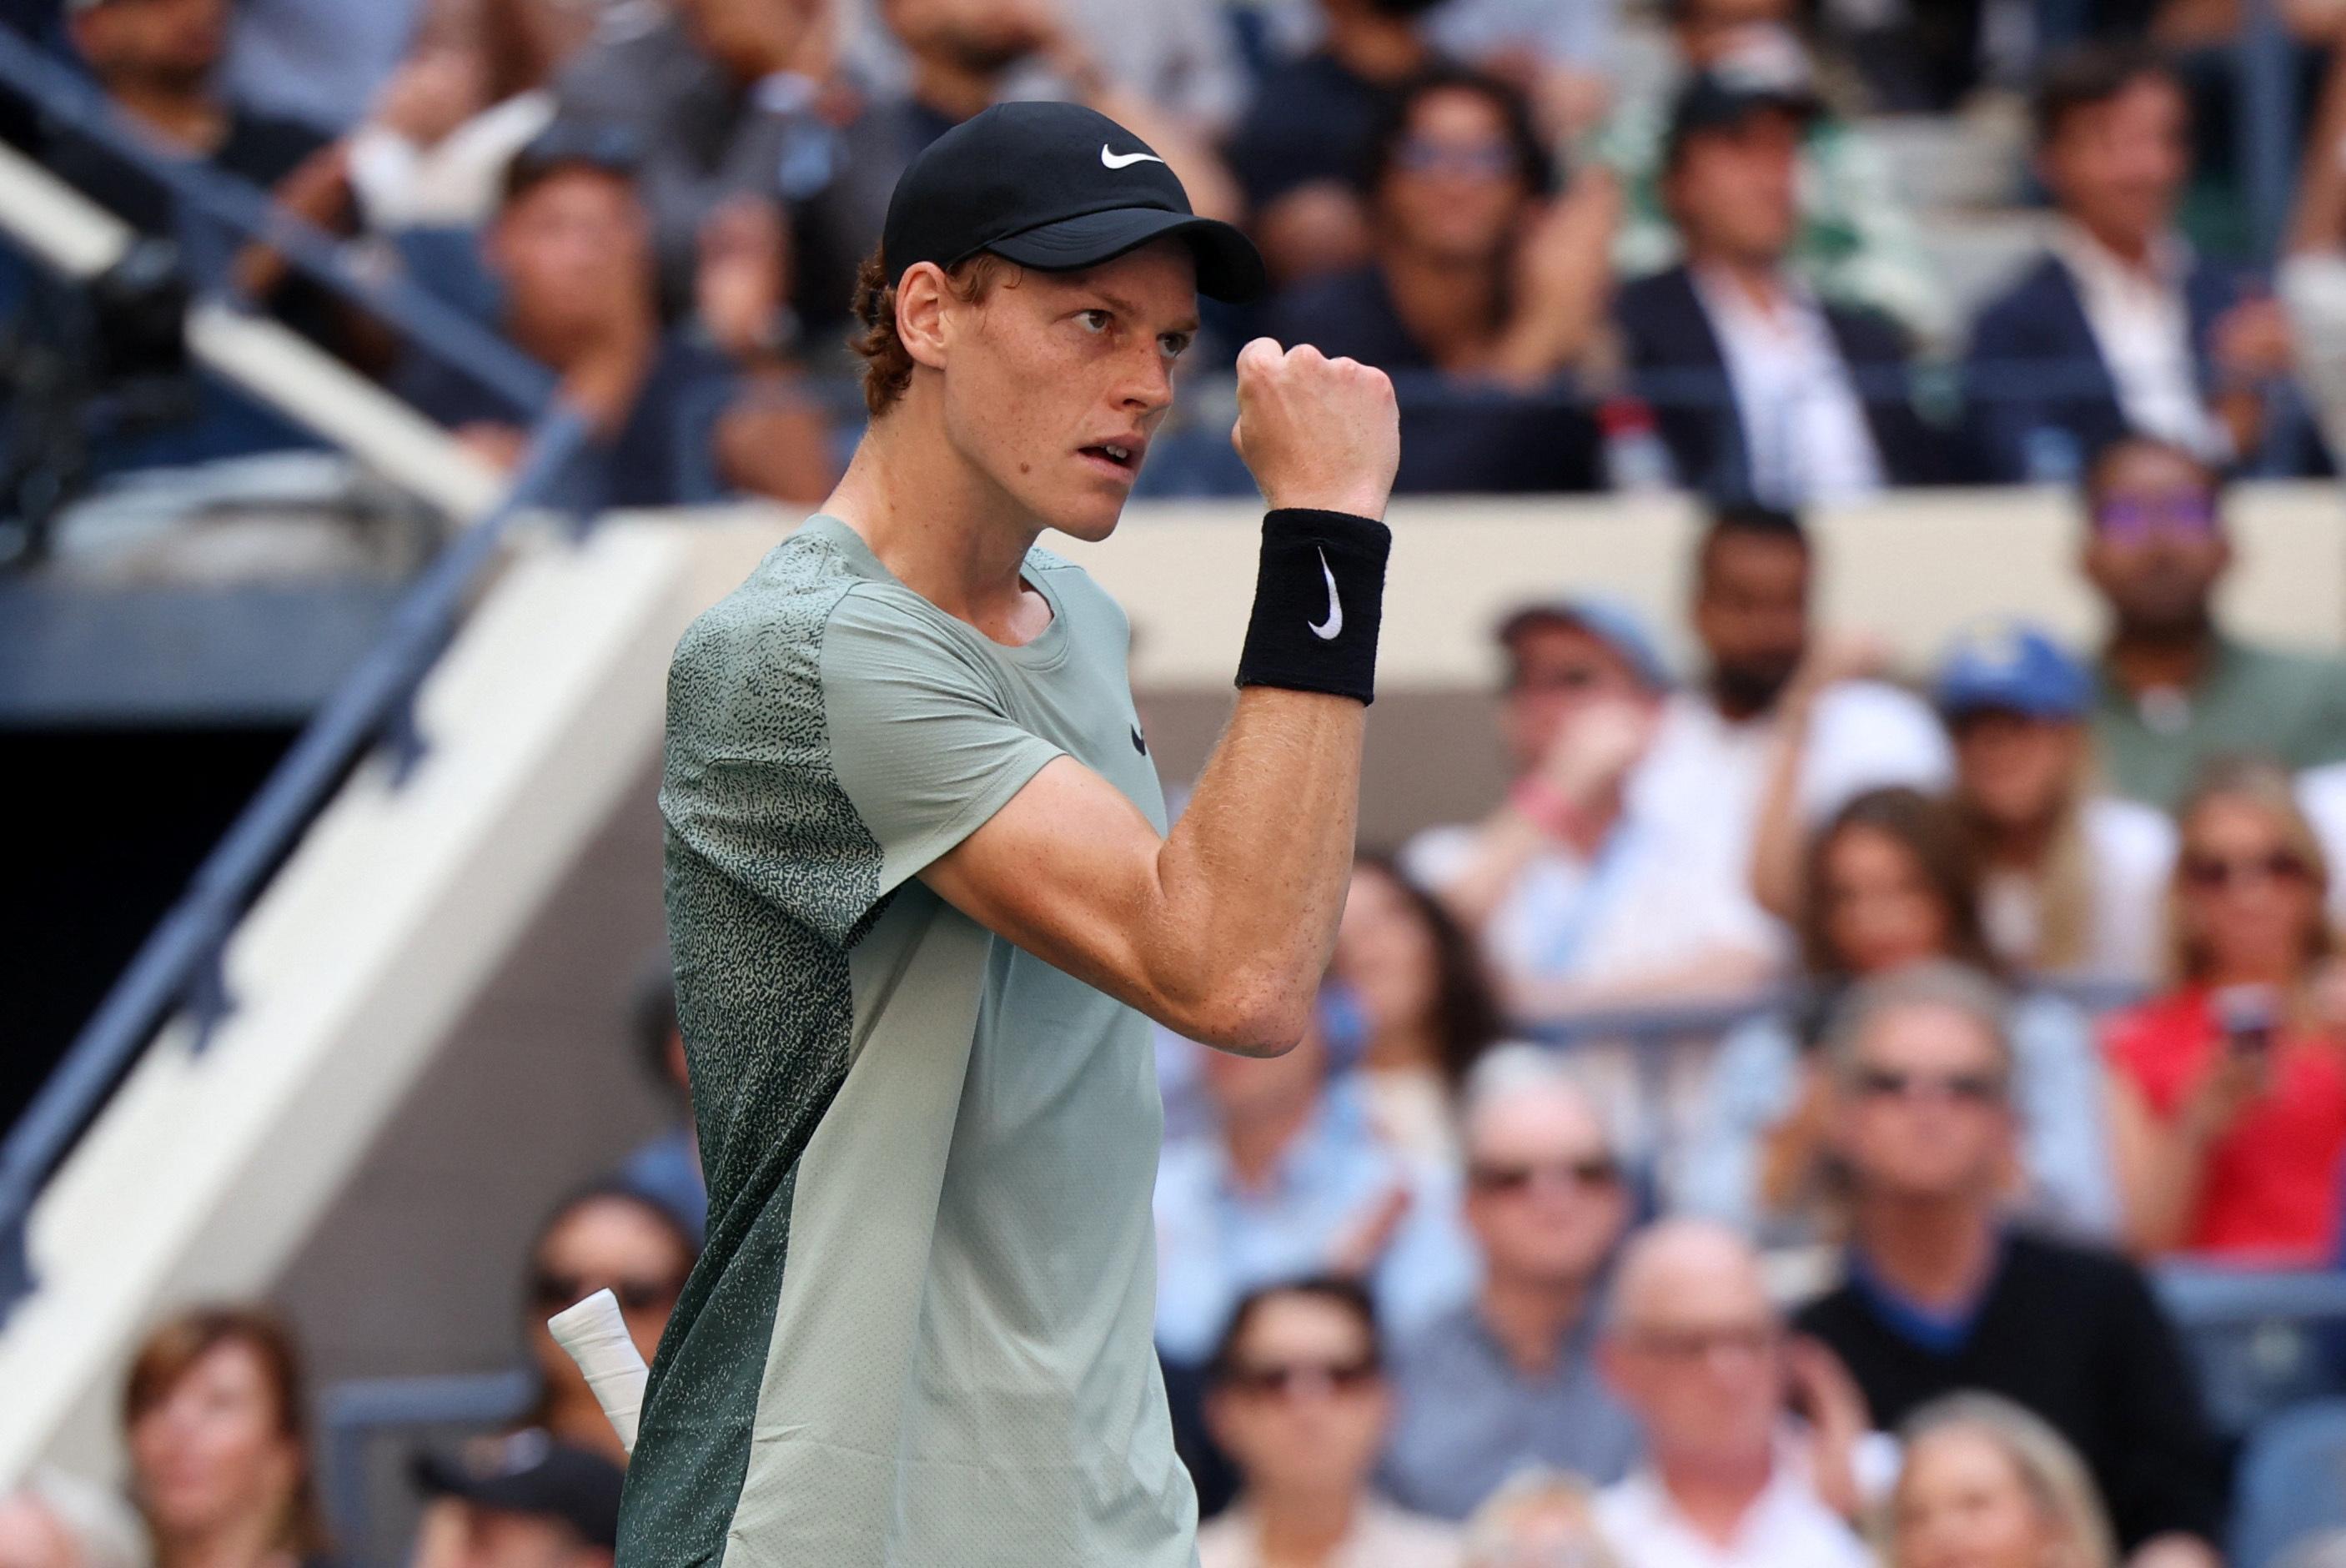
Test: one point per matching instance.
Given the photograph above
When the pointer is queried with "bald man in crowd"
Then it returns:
(1698, 1352)
(1508, 1378)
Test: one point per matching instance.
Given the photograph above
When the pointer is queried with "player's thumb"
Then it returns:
(1258, 360)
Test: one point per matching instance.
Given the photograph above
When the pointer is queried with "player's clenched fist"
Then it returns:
(1315, 432)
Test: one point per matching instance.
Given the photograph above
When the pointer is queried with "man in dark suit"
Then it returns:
(1763, 393)
(2119, 328)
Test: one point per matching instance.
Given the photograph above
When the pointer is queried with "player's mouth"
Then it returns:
(1121, 458)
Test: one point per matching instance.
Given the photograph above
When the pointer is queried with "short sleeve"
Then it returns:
(922, 739)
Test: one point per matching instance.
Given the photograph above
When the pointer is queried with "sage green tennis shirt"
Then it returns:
(920, 1334)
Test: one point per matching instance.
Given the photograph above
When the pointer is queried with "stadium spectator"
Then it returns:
(156, 61)
(523, 1501)
(1894, 887)
(1426, 1007)
(1540, 1519)
(1563, 57)
(216, 1418)
(675, 412)
(1698, 1353)
(1300, 152)
(667, 1168)
(1507, 1379)
(57, 1520)
(1579, 898)
(470, 93)
(1292, 1183)
(2119, 328)
(2177, 690)
(744, 100)
(2070, 879)
(1476, 277)
(321, 62)
(1297, 1396)
(607, 1238)
(1857, 244)
(1787, 722)
(2229, 1093)
(1763, 392)
(1941, 1295)
(1987, 1484)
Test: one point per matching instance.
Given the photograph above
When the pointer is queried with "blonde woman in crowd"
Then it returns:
(1540, 1519)
(216, 1418)
(2229, 1092)
(1987, 1484)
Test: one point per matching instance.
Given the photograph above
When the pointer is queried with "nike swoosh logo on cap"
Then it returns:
(1327, 631)
(1125, 159)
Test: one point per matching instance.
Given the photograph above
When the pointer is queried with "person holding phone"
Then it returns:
(2227, 1116)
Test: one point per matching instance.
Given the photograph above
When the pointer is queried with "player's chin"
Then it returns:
(1091, 516)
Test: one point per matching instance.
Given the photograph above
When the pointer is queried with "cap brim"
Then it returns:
(1229, 266)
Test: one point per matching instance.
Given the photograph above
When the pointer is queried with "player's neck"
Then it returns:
(946, 530)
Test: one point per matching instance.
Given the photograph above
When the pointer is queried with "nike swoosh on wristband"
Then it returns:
(1327, 631)
(1125, 159)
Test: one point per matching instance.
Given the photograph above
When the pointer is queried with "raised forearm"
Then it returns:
(1254, 873)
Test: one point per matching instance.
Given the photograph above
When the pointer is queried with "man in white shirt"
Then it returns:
(1699, 1354)
(2120, 328)
(1709, 764)
(1581, 891)
(1762, 391)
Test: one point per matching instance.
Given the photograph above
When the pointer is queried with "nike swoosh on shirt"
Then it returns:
(1326, 631)
(1125, 159)
(1139, 742)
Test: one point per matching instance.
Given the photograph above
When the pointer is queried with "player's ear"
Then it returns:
(923, 298)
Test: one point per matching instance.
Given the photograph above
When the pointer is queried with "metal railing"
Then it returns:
(180, 963)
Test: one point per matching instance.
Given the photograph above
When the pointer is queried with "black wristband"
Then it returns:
(1319, 598)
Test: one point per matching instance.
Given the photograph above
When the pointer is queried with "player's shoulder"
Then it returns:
(764, 643)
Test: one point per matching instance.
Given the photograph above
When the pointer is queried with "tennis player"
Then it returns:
(923, 899)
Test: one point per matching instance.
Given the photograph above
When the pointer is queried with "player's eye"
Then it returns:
(1173, 343)
(1095, 322)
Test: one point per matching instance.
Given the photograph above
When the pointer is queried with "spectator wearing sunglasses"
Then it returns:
(1507, 1381)
(1942, 1293)
(1479, 283)
(2177, 690)
(1890, 882)
(2229, 1093)
(609, 1237)
(1296, 1394)
(1732, 1477)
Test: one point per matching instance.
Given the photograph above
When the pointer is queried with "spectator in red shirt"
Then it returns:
(2229, 1093)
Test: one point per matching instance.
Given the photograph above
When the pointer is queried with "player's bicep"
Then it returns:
(1069, 870)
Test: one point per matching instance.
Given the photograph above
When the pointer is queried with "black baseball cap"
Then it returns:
(1768, 71)
(531, 1473)
(1055, 187)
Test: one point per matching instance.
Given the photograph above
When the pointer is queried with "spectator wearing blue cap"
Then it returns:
(2071, 880)
(1580, 897)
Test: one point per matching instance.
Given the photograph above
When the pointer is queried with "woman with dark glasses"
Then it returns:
(608, 1236)
(2228, 1092)
(1296, 1394)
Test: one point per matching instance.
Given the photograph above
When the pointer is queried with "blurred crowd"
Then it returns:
(1756, 1141)
(1601, 247)
(1752, 1140)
